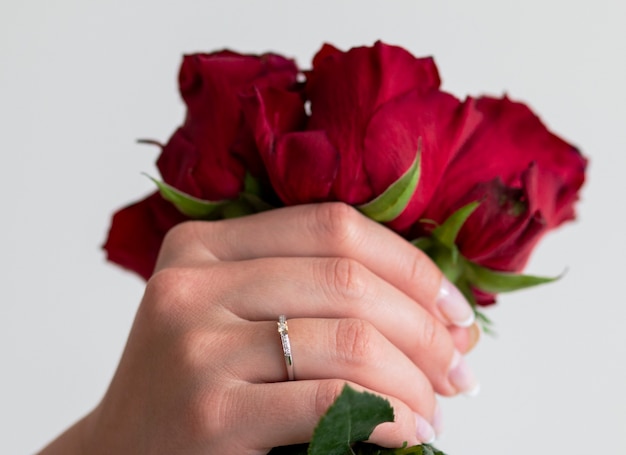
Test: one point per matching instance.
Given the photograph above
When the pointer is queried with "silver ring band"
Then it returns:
(283, 330)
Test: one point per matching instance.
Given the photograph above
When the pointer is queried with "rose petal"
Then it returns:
(137, 231)
(439, 119)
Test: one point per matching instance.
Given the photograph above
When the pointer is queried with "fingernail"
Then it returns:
(462, 377)
(423, 430)
(438, 420)
(453, 305)
(474, 337)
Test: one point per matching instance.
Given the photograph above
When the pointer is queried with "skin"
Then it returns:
(203, 368)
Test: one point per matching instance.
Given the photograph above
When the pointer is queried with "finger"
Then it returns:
(342, 288)
(291, 411)
(348, 349)
(465, 340)
(331, 229)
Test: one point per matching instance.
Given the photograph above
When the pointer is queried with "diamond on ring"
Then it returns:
(283, 330)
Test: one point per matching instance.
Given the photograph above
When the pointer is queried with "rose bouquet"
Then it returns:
(474, 183)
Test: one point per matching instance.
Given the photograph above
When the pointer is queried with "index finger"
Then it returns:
(321, 230)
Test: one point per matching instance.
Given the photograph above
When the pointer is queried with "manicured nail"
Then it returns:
(462, 377)
(438, 420)
(423, 430)
(453, 305)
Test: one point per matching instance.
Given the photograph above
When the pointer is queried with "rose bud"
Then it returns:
(208, 157)
(369, 109)
(525, 178)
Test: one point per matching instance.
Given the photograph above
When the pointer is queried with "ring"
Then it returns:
(283, 330)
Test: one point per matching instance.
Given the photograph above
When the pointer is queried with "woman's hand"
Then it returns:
(203, 370)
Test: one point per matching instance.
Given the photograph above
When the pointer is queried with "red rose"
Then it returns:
(208, 156)
(369, 106)
(526, 179)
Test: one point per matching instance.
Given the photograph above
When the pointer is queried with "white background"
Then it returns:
(80, 80)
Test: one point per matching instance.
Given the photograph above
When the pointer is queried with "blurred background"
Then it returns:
(80, 81)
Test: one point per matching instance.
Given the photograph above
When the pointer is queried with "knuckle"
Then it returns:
(425, 273)
(185, 238)
(354, 341)
(347, 278)
(169, 285)
(210, 414)
(338, 224)
(326, 394)
(169, 294)
(429, 334)
(397, 430)
(180, 233)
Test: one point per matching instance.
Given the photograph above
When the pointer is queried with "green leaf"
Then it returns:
(388, 205)
(370, 449)
(448, 231)
(495, 282)
(351, 418)
(188, 205)
(347, 423)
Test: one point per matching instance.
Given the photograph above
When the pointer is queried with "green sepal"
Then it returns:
(236, 209)
(188, 205)
(494, 281)
(449, 230)
(466, 275)
(423, 243)
(251, 185)
(256, 203)
(485, 322)
(388, 205)
(447, 259)
(351, 418)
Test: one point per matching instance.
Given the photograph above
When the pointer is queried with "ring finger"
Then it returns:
(348, 349)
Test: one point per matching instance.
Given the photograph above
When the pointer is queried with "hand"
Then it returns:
(204, 372)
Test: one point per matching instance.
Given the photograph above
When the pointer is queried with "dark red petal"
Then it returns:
(483, 298)
(326, 51)
(346, 88)
(137, 232)
(207, 157)
(210, 81)
(504, 229)
(508, 140)
(302, 167)
(184, 166)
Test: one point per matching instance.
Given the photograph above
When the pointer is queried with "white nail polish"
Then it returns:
(454, 306)
(424, 431)
(462, 377)
(437, 422)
